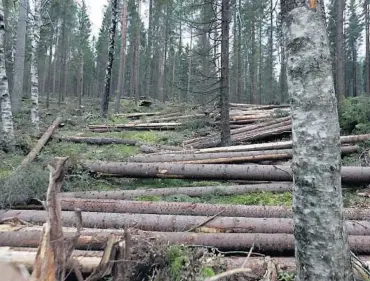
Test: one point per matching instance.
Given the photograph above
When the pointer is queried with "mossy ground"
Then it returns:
(75, 124)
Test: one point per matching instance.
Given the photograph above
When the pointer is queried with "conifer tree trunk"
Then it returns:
(136, 67)
(149, 53)
(17, 92)
(187, 95)
(271, 54)
(108, 74)
(252, 64)
(224, 81)
(35, 38)
(6, 108)
(322, 250)
(367, 51)
(49, 71)
(340, 57)
(122, 64)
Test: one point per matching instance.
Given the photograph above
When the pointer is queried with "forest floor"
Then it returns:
(33, 182)
(75, 124)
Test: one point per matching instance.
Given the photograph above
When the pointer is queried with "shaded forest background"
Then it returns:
(177, 58)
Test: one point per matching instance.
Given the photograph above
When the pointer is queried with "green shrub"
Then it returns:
(354, 115)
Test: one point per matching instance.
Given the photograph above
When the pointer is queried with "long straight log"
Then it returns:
(152, 126)
(227, 156)
(86, 262)
(260, 125)
(189, 191)
(274, 145)
(350, 174)
(192, 209)
(257, 131)
(152, 222)
(262, 242)
(42, 141)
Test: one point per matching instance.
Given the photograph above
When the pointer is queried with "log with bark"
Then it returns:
(41, 143)
(153, 222)
(226, 157)
(192, 209)
(141, 126)
(350, 174)
(108, 141)
(196, 191)
(262, 242)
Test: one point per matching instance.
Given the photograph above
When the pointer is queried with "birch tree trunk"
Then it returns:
(35, 37)
(150, 50)
(187, 95)
(321, 243)
(122, 64)
(6, 108)
(108, 74)
(19, 57)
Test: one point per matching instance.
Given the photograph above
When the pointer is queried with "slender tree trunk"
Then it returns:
(321, 242)
(80, 83)
(9, 48)
(224, 81)
(6, 108)
(271, 55)
(188, 89)
(149, 53)
(340, 60)
(108, 74)
(49, 71)
(122, 64)
(136, 56)
(252, 64)
(174, 97)
(161, 62)
(367, 48)
(54, 90)
(354, 70)
(260, 62)
(235, 81)
(35, 38)
(19, 57)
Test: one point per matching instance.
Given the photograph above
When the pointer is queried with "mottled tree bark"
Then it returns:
(108, 74)
(136, 62)
(6, 108)
(35, 38)
(188, 89)
(122, 63)
(367, 38)
(224, 81)
(322, 250)
(19, 57)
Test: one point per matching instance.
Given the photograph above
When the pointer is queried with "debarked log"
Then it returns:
(87, 260)
(349, 174)
(226, 157)
(273, 145)
(262, 242)
(192, 191)
(172, 223)
(192, 209)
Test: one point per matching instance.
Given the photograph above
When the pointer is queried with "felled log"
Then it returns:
(192, 209)
(274, 145)
(228, 156)
(189, 191)
(41, 143)
(262, 242)
(176, 117)
(87, 262)
(108, 141)
(260, 125)
(349, 174)
(141, 126)
(152, 222)
(138, 114)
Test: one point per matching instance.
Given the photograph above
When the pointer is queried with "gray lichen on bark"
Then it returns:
(322, 250)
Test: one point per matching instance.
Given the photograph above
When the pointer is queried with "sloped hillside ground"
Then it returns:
(32, 182)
